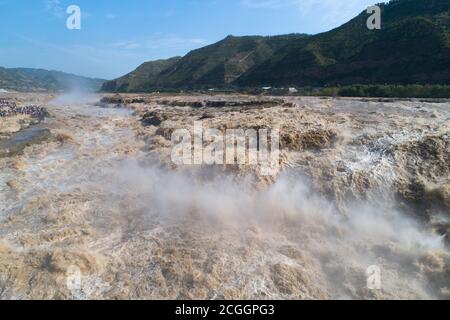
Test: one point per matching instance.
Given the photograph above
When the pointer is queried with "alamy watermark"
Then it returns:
(253, 147)
(73, 280)
(374, 21)
(73, 22)
(373, 278)
(83, 287)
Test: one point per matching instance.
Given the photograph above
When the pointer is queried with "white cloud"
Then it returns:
(127, 45)
(172, 42)
(160, 42)
(329, 12)
(55, 8)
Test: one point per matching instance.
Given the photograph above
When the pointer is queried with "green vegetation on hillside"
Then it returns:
(412, 48)
(140, 79)
(217, 65)
(39, 80)
(388, 91)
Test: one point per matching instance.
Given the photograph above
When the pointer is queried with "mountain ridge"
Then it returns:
(42, 80)
(217, 64)
(412, 47)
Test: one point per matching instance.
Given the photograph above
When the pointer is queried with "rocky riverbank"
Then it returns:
(17, 114)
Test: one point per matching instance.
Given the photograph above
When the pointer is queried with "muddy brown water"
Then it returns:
(22, 139)
(95, 205)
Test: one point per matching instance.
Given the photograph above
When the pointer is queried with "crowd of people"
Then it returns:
(10, 108)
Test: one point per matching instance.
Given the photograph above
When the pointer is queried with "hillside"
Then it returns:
(413, 47)
(223, 62)
(216, 65)
(39, 80)
(140, 79)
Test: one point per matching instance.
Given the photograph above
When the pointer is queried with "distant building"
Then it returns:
(293, 90)
(267, 88)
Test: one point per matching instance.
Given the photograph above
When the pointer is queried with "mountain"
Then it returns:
(223, 62)
(39, 80)
(216, 65)
(140, 79)
(412, 47)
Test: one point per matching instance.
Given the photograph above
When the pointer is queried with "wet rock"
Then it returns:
(116, 99)
(153, 119)
(60, 261)
(248, 103)
(22, 139)
(206, 116)
(121, 100)
(427, 163)
(310, 140)
(165, 132)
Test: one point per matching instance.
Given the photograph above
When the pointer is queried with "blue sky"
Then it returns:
(117, 36)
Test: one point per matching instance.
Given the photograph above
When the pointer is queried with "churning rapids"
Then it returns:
(98, 199)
